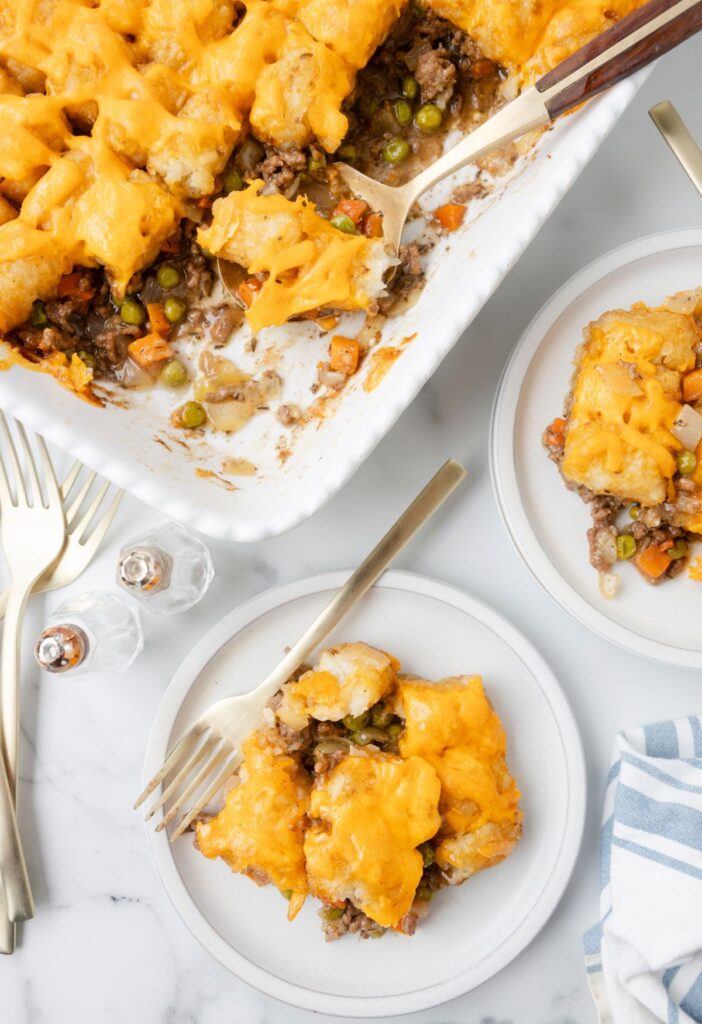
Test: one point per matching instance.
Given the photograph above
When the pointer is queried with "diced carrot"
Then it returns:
(248, 290)
(343, 354)
(353, 208)
(158, 321)
(326, 323)
(150, 349)
(555, 432)
(692, 386)
(653, 560)
(450, 216)
(71, 286)
(373, 225)
(171, 244)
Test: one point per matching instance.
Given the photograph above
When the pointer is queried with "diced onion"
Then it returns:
(618, 379)
(609, 584)
(688, 428)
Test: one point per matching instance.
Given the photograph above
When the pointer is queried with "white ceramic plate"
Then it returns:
(548, 523)
(472, 931)
(136, 447)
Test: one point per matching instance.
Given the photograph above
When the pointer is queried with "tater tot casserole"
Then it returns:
(629, 441)
(369, 790)
(144, 138)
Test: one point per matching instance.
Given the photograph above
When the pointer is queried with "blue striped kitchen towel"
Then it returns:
(644, 957)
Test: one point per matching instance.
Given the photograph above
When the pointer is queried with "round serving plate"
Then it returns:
(546, 521)
(471, 931)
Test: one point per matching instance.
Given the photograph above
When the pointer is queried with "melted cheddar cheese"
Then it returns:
(157, 94)
(626, 397)
(451, 725)
(347, 680)
(308, 263)
(374, 810)
(259, 832)
(528, 37)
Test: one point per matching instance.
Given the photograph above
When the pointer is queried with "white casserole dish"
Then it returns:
(131, 442)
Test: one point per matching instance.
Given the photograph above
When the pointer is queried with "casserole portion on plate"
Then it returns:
(370, 791)
(144, 136)
(630, 440)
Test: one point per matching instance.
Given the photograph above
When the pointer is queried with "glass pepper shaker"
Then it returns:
(169, 569)
(96, 632)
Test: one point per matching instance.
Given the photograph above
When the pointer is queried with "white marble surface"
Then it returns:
(106, 947)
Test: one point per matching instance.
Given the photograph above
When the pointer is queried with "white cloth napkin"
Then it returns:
(644, 957)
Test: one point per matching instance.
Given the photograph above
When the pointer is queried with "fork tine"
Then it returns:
(80, 497)
(229, 768)
(12, 454)
(206, 770)
(5, 492)
(30, 468)
(84, 525)
(69, 483)
(174, 785)
(104, 524)
(177, 751)
(53, 492)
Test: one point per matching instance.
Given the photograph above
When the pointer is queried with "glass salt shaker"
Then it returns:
(169, 569)
(96, 632)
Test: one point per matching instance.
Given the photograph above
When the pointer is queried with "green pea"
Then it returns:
(316, 163)
(634, 511)
(174, 309)
(687, 463)
(424, 892)
(348, 152)
(395, 730)
(370, 735)
(132, 312)
(410, 87)
(403, 112)
(168, 276)
(381, 716)
(174, 374)
(87, 359)
(233, 181)
(354, 722)
(427, 852)
(428, 117)
(367, 106)
(343, 223)
(678, 550)
(192, 415)
(39, 317)
(332, 913)
(286, 893)
(626, 546)
(395, 151)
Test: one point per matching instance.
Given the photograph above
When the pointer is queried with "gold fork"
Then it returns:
(33, 531)
(680, 139)
(618, 52)
(84, 533)
(208, 753)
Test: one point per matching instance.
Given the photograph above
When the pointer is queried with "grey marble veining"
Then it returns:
(106, 946)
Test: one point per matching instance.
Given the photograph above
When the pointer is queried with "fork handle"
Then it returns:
(412, 519)
(18, 903)
(629, 45)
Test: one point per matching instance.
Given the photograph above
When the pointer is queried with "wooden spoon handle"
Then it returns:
(627, 46)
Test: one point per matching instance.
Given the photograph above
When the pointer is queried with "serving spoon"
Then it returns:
(626, 47)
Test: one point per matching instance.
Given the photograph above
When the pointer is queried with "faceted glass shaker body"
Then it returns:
(94, 632)
(168, 569)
